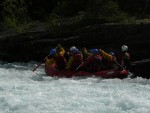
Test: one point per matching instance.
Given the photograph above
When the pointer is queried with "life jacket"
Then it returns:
(108, 64)
(77, 60)
(93, 63)
(60, 62)
(97, 63)
(107, 60)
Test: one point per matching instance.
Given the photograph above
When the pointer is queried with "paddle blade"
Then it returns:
(36, 67)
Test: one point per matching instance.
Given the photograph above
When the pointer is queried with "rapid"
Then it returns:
(25, 91)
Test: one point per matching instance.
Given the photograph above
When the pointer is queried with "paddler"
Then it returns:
(125, 57)
(57, 58)
(93, 62)
(75, 59)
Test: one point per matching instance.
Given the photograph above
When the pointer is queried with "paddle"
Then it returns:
(79, 66)
(119, 64)
(123, 67)
(39, 64)
(44, 59)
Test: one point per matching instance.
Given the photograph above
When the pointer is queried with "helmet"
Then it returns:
(73, 47)
(75, 51)
(94, 51)
(124, 48)
(52, 51)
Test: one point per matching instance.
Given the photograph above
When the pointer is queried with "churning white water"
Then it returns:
(25, 91)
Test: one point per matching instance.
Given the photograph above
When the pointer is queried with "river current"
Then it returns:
(25, 91)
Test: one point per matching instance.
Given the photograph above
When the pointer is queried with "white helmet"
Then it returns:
(124, 48)
(72, 48)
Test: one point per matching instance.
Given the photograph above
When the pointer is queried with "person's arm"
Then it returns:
(62, 51)
(50, 61)
(125, 57)
(107, 56)
(69, 63)
(85, 53)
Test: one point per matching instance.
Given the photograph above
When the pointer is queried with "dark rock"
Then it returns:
(35, 44)
(141, 68)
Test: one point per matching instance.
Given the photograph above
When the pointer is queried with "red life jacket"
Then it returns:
(60, 62)
(78, 59)
(93, 63)
(97, 62)
(107, 64)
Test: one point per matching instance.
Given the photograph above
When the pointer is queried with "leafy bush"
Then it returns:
(15, 14)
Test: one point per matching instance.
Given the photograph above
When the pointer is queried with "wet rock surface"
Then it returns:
(35, 44)
(141, 68)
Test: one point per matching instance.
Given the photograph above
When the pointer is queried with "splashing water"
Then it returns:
(25, 91)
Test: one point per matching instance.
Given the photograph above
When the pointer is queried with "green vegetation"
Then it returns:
(15, 15)
(19, 13)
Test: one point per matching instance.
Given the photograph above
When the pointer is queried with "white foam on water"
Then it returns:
(22, 91)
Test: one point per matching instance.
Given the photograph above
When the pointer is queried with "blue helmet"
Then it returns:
(52, 51)
(75, 51)
(94, 51)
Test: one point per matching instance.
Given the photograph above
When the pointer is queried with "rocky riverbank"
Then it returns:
(36, 42)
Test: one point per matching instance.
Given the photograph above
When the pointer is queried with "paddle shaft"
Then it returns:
(79, 67)
(37, 66)
(81, 64)
(119, 64)
(122, 67)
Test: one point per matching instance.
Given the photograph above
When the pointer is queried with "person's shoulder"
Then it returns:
(127, 53)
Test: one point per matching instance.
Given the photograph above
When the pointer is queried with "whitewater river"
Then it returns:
(24, 91)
